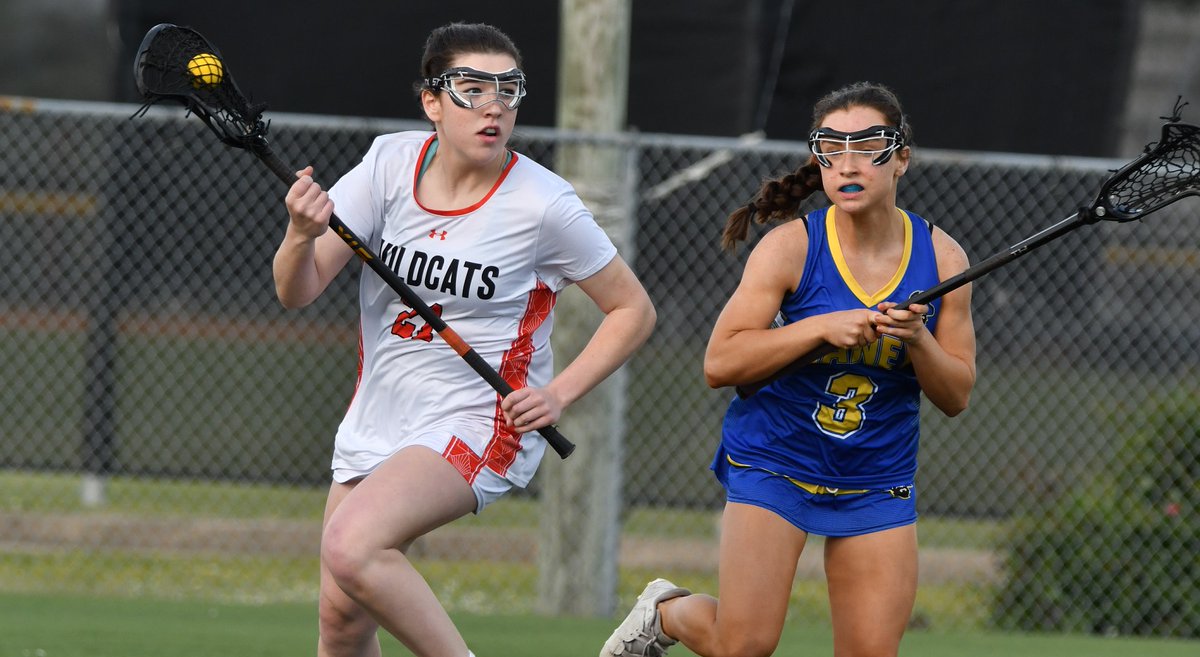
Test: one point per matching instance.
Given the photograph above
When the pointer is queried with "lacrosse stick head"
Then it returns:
(178, 64)
(1167, 171)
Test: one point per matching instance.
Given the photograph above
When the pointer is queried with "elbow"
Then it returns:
(955, 411)
(642, 319)
(637, 323)
(714, 375)
(954, 407)
(290, 301)
(284, 300)
(723, 367)
(951, 393)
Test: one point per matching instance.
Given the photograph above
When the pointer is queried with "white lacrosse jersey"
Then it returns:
(492, 271)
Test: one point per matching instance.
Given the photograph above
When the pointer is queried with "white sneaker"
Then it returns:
(640, 634)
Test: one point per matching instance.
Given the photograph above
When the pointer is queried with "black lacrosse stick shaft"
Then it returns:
(1081, 218)
(557, 441)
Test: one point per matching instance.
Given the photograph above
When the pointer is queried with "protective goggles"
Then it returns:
(878, 141)
(472, 88)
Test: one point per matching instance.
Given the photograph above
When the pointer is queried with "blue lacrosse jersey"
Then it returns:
(850, 420)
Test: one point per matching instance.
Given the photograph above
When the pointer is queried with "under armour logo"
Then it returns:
(434, 233)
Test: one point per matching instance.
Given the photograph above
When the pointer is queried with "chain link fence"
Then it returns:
(166, 428)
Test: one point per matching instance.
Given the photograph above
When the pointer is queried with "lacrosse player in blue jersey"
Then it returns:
(830, 450)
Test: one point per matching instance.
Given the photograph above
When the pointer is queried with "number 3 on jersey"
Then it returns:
(410, 331)
(844, 416)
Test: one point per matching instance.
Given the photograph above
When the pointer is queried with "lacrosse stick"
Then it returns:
(178, 64)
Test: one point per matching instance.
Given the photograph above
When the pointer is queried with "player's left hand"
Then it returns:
(906, 323)
(529, 409)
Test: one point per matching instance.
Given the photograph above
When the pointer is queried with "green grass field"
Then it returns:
(50, 626)
(98, 603)
(50, 493)
(94, 568)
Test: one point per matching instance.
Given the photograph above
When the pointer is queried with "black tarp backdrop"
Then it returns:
(1032, 76)
(342, 58)
(1028, 76)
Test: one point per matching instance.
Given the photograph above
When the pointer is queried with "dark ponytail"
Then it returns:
(778, 200)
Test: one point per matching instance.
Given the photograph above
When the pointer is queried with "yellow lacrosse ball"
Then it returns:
(206, 70)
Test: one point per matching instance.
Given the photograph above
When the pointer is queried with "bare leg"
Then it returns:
(759, 551)
(345, 628)
(412, 493)
(872, 588)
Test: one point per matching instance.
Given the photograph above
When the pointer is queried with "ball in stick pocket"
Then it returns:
(206, 70)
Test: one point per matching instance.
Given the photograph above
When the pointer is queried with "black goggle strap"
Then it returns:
(509, 99)
(895, 137)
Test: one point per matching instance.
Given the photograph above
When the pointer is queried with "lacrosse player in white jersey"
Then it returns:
(487, 238)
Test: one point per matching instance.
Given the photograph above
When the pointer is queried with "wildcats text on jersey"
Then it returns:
(461, 278)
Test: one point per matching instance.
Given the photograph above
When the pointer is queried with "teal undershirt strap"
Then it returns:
(433, 149)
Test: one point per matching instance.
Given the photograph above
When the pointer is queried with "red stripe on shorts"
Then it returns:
(459, 455)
